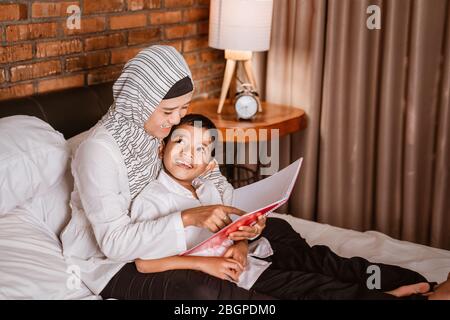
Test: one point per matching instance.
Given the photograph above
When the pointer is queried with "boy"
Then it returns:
(187, 154)
(298, 271)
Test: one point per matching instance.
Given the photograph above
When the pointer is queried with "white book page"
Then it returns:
(267, 191)
(261, 197)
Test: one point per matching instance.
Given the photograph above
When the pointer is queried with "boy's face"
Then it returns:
(188, 153)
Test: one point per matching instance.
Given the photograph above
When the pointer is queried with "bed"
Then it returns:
(34, 204)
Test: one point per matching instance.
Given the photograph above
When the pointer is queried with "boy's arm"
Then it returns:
(220, 267)
(168, 263)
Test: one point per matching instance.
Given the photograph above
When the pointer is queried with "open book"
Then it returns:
(259, 198)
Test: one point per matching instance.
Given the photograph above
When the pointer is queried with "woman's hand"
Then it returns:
(213, 217)
(246, 232)
(220, 267)
(238, 252)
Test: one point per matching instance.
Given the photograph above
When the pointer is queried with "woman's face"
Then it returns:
(167, 114)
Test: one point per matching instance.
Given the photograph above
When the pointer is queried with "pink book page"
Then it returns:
(219, 237)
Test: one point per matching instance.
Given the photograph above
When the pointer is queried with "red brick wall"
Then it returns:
(38, 53)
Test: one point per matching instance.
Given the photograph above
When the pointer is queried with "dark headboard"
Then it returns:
(69, 111)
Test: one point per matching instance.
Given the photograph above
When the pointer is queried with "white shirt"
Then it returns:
(102, 235)
(162, 197)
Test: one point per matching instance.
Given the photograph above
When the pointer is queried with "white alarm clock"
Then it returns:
(246, 102)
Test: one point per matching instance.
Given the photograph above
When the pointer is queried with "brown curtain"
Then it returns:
(377, 146)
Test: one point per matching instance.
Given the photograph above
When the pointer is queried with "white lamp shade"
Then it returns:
(240, 24)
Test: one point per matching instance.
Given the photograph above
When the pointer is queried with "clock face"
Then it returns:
(246, 107)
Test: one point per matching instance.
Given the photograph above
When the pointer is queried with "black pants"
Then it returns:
(298, 271)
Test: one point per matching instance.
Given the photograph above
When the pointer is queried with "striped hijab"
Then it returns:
(144, 82)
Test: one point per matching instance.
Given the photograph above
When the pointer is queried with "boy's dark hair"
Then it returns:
(191, 120)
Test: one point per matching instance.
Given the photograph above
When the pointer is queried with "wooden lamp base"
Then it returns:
(233, 57)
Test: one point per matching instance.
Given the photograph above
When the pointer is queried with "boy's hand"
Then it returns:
(246, 232)
(220, 267)
(238, 252)
(213, 217)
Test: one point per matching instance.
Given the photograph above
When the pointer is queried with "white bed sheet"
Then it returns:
(31, 261)
(432, 263)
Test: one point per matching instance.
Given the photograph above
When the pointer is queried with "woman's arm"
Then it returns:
(223, 186)
(220, 267)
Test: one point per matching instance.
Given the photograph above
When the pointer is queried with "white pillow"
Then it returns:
(33, 158)
(52, 208)
(32, 265)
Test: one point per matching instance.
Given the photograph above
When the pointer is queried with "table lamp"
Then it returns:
(239, 27)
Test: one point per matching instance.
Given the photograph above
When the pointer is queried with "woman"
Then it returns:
(115, 162)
